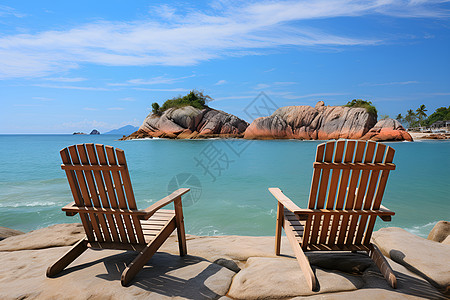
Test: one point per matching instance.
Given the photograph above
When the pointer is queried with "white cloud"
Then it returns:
(66, 79)
(89, 108)
(270, 70)
(116, 108)
(221, 82)
(9, 11)
(127, 99)
(163, 90)
(289, 96)
(195, 36)
(261, 86)
(43, 98)
(389, 83)
(151, 81)
(233, 98)
(285, 83)
(73, 87)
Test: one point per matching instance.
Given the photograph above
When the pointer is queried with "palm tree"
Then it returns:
(399, 118)
(421, 113)
(410, 118)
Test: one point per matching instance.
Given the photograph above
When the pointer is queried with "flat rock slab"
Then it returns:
(96, 275)
(53, 236)
(8, 232)
(264, 277)
(427, 258)
(236, 248)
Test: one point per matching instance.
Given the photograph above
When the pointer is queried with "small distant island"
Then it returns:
(94, 131)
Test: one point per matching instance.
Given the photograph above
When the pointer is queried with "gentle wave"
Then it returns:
(421, 230)
(28, 204)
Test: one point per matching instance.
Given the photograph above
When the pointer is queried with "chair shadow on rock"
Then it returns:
(156, 274)
(168, 275)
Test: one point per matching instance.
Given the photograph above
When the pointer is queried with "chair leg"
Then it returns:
(67, 258)
(144, 256)
(180, 227)
(383, 265)
(280, 220)
(301, 258)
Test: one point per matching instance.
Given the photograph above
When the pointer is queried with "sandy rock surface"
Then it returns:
(281, 277)
(440, 232)
(219, 267)
(427, 258)
(7, 232)
(53, 236)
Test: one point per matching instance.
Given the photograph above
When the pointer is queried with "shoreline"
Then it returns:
(429, 136)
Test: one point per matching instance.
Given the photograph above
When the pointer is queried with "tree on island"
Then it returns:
(370, 108)
(420, 113)
(410, 118)
(399, 118)
(441, 114)
(194, 98)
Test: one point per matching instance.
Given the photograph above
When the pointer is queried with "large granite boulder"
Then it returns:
(189, 122)
(7, 232)
(424, 257)
(53, 236)
(277, 278)
(440, 232)
(317, 123)
(388, 130)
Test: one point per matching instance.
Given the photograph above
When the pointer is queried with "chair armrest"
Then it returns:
(386, 210)
(278, 194)
(72, 209)
(149, 211)
(68, 209)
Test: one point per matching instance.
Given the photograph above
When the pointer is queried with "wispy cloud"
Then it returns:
(221, 82)
(270, 70)
(389, 83)
(440, 94)
(73, 87)
(262, 86)
(233, 98)
(290, 96)
(65, 79)
(43, 98)
(9, 11)
(127, 99)
(162, 90)
(90, 108)
(188, 37)
(285, 83)
(152, 81)
(116, 108)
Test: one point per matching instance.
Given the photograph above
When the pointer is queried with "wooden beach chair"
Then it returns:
(103, 197)
(348, 183)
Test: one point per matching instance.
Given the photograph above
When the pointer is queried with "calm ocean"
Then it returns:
(228, 178)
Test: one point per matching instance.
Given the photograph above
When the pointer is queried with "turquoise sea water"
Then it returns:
(229, 180)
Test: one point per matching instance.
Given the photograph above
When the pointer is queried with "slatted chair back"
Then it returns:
(99, 180)
(348, 175)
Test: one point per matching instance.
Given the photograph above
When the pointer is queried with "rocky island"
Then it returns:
(184, 120)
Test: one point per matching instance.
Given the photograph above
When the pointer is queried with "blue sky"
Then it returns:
(74, 66)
